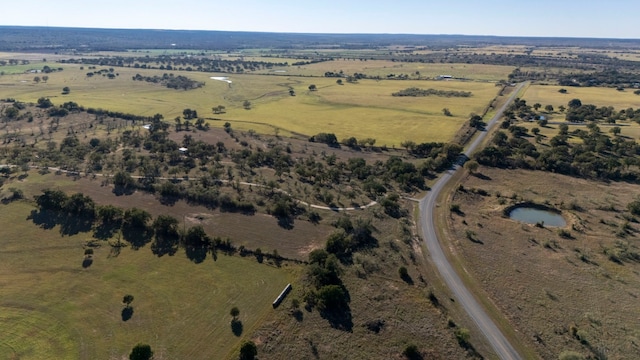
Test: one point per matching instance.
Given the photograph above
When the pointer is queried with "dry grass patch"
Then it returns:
(553, 283)
(599, 96)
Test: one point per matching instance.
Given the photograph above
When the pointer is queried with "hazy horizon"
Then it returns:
(613, 19)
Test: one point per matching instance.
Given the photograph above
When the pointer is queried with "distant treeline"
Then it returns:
(59, 38)
(414, 91)
(601, 78)
(580, 61)
(202, 63)
(172, 82)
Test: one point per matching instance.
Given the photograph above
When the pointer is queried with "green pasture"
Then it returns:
(53, 308)
(20, 69)
(364, 110)
(599, 96)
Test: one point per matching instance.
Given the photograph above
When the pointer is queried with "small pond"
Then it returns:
(532, 215)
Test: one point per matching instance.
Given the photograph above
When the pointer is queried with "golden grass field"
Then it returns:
(383, 68)
(599, 96)
(52, 307)
(363, 110)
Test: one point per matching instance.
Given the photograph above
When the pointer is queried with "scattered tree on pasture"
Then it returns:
(248, 350)
(574, 103)
(411, 352)
(141, 352)
(234, 312)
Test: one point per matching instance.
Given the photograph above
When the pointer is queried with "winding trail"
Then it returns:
(314, 206)
(499, 343)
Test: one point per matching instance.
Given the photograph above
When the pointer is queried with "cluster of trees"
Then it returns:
(521, 109)
(153, 154)
(579, 61)
(325, 138)
(375, 179)
(601, 78)
(324, 273)
(12, 62)
(597, 156)
(79, 212)
(180, 63)
(109, 73)
(172, 82)
(414, 91)
(579, 112)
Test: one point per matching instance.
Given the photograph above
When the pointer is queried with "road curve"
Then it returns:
(501, 346)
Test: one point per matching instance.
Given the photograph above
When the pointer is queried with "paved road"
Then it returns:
(501, 346)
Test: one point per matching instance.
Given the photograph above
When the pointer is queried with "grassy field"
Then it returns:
(291, 243)
(383, 68)
(364, 110)
(52, 307)
(547, 94)
(563, 293)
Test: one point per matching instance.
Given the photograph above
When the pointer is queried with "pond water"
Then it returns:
(533, 216)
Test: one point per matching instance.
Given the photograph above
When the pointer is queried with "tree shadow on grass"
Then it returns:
(105, 231)
(73, 225)
(43, 218)
(137, 237)
(197, 254)
(69, 224)
(339, 318)
(169, 200)
(407, 278)
(298, 315)
(338, 312)
(481, 176)
(127, 313)
(237, 327)
(123, 190)
(285, 222)
(165, 245)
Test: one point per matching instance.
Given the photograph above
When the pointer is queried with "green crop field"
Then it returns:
(364, 110)
(51, 307)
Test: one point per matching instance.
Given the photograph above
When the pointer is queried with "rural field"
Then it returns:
(365, 109)
(74, 311)
(382, 68)
(599, 96)
(262, 175)
(566, 293)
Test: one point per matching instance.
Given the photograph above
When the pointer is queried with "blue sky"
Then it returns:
(561, 18)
